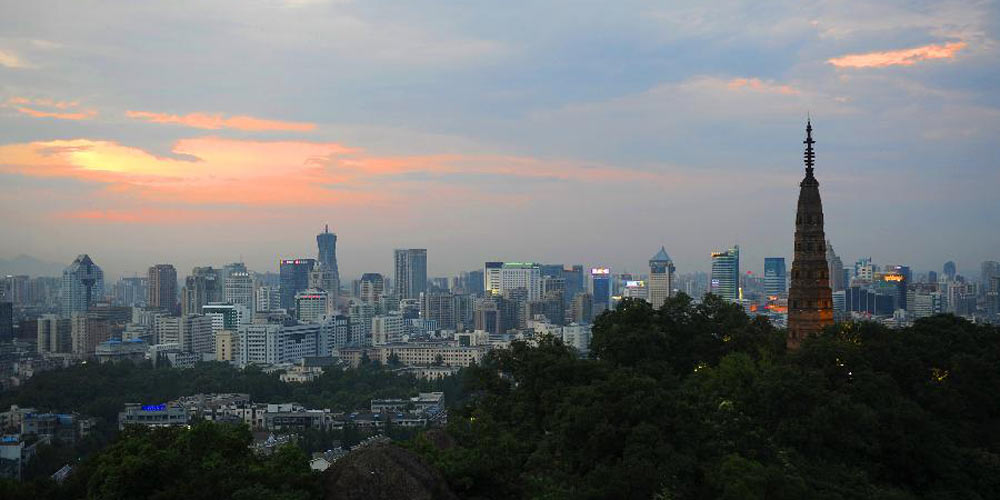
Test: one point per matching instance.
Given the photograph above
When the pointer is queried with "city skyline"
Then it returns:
(486, 141)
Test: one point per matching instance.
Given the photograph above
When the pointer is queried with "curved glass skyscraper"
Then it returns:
(327, 257)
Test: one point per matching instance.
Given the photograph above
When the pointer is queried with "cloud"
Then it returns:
(905, 57)
(206, 173)
(49, 108)
(758, 85)
(218, 121)
(11, 60)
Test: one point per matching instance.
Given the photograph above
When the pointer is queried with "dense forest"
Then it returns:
(691, 401)
(207, 461)
(700, 401)
(100, 391)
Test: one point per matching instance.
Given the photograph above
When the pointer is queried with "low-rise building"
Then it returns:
(115, 350)
(155, 415)
(416, 354)
(421, 403)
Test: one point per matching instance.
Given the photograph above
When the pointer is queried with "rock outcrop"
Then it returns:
(384, 471)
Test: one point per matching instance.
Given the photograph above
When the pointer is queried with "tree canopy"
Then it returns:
(699, 401)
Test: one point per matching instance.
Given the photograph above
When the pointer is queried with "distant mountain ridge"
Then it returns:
(26, 264)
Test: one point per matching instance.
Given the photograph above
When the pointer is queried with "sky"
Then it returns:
(201, 133)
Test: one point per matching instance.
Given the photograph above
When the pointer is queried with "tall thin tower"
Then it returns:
(810, 300)
(327, 243)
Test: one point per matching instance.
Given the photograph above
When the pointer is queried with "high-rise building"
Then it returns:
(226, 342)
(6, 321)
(267, 298)
(167, 329)
(231, 268)
(238, 289)
(494, 314)
(323, 278)
(82, 285)
(810, 300)
(204, 285)
(660, 285)
(600, 289)
(582, 308)
(864, 270)
(725, 281)
(15, 290)
(838, 276)
(371, 288)
(162, 281)
(502, 277)
(226, 316)
(474, 282)
(387, 328)
(440, 308)
(775, 278)
(294, 278)
(410, 278)
(195, 332)
(272, 343)
(54, 334)
(990, 269)
(950, 270)
(327, 257)
(86, 331)
(311, 304)
(130, 291)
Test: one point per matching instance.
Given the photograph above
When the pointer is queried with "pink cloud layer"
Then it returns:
(759, 85)
(217, 121)
(49, 108)
(904, 57)
(206, 173)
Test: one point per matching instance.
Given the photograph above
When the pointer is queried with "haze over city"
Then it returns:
(557, 132)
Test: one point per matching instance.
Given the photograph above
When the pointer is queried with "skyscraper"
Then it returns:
(410, 277)
(82, 285)
(950, 270)
(726, 274)
(238, 289)
(600, 286)
(838, 276)
(326, 276)
(661, 278)
(372, 287)
(505, 276)
(6, 321)
(204, 285)
(327, 243)
(311, 304)
(574, 281)
(130, 291)
(162, 292)
(810, 301)
(294, 275)
(775, 278)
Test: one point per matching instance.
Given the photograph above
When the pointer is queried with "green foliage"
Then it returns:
(101, 391)
(699, 401)
(207, 461)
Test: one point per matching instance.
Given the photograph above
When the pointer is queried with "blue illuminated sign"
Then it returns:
(160, 407)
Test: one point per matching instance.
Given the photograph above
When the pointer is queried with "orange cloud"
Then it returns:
(217, 121)
(211, 173)
(905, 57)
(55, 109)
(11, 60)
(759, 85)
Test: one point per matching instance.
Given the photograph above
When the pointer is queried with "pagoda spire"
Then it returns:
(810, 299)
(809, 155)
